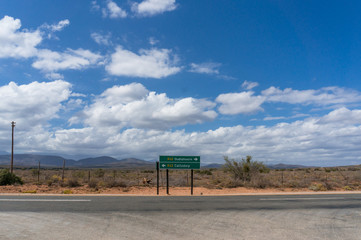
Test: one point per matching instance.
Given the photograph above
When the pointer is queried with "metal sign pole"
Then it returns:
(167, 182)
(12, 146)
(157, 177)
(191, 181)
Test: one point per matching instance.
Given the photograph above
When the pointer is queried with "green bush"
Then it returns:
(7, 178)
(245, 169)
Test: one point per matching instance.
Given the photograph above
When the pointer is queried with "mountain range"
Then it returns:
(32, 160)
(50, 161)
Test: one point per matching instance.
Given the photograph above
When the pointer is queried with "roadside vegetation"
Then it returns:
(235, 173)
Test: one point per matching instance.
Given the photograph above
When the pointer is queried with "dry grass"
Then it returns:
(98, 180)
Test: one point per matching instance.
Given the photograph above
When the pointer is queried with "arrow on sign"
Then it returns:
(195, 159)
(163, 165)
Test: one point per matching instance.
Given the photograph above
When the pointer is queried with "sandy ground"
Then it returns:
(151, 190)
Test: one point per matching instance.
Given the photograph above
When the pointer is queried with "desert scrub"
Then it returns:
(29, 191)
(67, 191)
(93, 183)
(54, 179)
(317, 187)
(73, 182)
(115, 183)
(8, 178)
(99, 173)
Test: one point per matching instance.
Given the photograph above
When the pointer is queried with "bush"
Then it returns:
(114, 183)
(317, 187)
(67, 191)
(73, 183)
(99, 173)
(246, 169)
(7, 178)
(93, 183)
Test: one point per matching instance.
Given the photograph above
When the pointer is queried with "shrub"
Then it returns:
(67, 191)
(34, 172)
(317, 187)
(73, 183)
(245, 169)
(99, 173)
(93, 183)
(205, 172)
(7, 178)
(29, 191)
(115, 183)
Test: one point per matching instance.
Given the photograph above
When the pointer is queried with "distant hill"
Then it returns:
(32, 160)
(286, 166)
(212, 165)
(270, 166)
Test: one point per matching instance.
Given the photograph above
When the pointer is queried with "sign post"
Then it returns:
(157, 178)
(180, 163)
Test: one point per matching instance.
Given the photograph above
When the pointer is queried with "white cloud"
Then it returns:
(153, 63)
(323, 96)
(236, 103)
(246, 102)
(207, 68)
(153, 7)
(343, 116)
(54, 76)
(153, 41)
(332, 139)
(32, 104)
(50, 61)
(57, 27)
(101, 39)
(113, 10)
(309, 142)
(95, 6)
(134, 106)
(249, 85)
(15, 43)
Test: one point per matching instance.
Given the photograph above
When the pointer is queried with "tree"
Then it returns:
(245, 169)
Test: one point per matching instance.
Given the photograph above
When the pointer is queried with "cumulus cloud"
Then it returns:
(32, 104)
(113, 10)
(332, 139)
(249, 85)
(153, 63)
(15, 43)
(50, 61)
(323, 96)
(236, 103)
(343, 116)
(206, 68)
(153, 7)
(134, 106)
(247, 102)
(310, 142)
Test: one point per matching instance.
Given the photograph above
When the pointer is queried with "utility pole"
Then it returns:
(62, 176)
(12, 146)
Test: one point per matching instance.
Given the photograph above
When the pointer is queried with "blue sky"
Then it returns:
(278, 80)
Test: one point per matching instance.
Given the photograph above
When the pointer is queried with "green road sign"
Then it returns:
(179, 162)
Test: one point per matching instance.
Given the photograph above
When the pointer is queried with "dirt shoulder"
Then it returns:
(152, 191)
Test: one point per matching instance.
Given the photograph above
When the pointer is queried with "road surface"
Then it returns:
(193, 217)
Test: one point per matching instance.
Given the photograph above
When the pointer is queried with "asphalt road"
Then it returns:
(197, 217)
